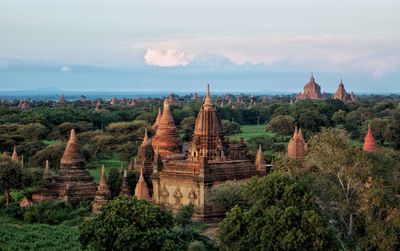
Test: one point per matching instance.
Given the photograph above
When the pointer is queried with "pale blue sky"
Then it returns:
(242, 45)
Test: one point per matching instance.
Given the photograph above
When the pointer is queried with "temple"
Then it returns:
(297, 147)
(14, 155)
(341, 93)
(73, 182)
(103, 193)
(369, 141)
(144, 159)
(167, 141)
(141, 189)
(260, 162)
(62, 99)
(212, 160)
(311, 91)
(98, 106)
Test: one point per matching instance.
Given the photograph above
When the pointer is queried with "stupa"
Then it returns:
(167, 140)
(369, 141)
(311, 90)
(103, 193)
(297, 147)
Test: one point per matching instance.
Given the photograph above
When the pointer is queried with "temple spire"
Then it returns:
(103, 193)
(260, 162)
(72, 154)
(125, 186)
(14, 155)
(158, 119)
(146, 139)
(369, 141)
(207, 100)
(141, 190)
(103, 180)
(47, 174)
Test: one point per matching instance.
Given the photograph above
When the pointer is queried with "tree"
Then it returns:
(281, 214)
(227, 195)
(393, 132)
(183, 217)
(230, 128)
(11, 176)
(187, 127)
(339, 172)
(114, 181)
(380, 205)
(282, 124)
(126, 223)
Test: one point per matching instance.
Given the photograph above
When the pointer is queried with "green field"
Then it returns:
(251, 131)
(15, 235)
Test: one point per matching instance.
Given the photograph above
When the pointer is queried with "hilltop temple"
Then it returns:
(297, 147)
(341, 93)
(73, 182)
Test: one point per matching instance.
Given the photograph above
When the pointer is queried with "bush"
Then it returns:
(183, 217)
(48, 212)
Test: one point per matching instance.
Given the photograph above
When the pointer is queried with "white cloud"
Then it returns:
(66, 69)
(339, 53)
(167, 57)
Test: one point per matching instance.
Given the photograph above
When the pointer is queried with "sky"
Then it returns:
(180, 45)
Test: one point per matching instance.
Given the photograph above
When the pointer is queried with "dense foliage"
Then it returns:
(280, 215)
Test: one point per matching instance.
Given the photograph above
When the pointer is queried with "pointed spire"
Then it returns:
(103, 180)
(125, 186)
(369, 141)
(72, 154)
(47, 174)
(260, 162)
(158, 119)
(207, 100)
(141, 190)
(14, 155)
(146, 139)
(297, 147)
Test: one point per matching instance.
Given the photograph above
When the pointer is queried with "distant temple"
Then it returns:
(311, 91)
(62, 99)
(73, 182)
(341, 93)
(24, 104)
(103, 193)
(369, 141)
(297, 147)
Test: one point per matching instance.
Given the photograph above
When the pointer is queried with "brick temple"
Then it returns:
(311, 90)
(342, 94)
(73, 182)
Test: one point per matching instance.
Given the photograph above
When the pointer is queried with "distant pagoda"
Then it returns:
(297, 147)
(369, 141)
(341, 93)
(312, 90)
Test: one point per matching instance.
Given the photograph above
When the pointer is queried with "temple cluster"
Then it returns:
(169, 175)
(312, 90)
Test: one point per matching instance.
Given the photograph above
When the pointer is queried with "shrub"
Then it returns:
(48, 212)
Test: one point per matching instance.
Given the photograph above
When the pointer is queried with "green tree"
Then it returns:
(114, 181)
(126, 223)
(393, 132)
(282, 124)
(281, 215)
(11, 176)
(340, 170)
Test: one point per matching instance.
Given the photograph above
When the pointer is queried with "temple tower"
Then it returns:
(311, 90)
(14, 155)
(341, 93)
(369, 141)
(260, 162)
(73, 171)
(207, 139)
(158, 120)
(125, 186)
(103, 193)
(141, 189)
(297, 147)
(47, 177)
(167, 140)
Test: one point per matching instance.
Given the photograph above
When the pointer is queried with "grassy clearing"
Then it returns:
(18, 236)
(251, 131)
(51, 142)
